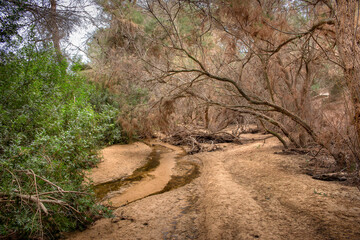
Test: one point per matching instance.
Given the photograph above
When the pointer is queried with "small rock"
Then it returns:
(115, 220)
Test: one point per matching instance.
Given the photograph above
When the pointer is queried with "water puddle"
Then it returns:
(153, 178)
(153, 161)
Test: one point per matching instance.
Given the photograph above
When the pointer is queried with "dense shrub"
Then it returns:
(51, 124)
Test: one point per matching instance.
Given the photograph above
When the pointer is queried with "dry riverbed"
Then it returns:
(241, 192)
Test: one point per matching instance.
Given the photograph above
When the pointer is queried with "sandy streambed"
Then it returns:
(152, 178)
(119, 161)
(243, 192)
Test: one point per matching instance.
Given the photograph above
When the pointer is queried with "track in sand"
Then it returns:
(243, 192)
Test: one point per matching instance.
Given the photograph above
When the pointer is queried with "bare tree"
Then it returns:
(275, 61)
(264, 61)
(52, 20)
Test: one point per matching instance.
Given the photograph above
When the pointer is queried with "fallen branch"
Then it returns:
(197, 140)
(32, 198)
(30, 172)
(293, 151)
(338, 176)
(54, 192)
(40, 202)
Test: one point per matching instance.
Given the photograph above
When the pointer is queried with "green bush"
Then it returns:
(52, 122)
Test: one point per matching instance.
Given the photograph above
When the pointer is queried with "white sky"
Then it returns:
(80, 35)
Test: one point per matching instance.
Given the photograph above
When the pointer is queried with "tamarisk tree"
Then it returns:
(285, 63)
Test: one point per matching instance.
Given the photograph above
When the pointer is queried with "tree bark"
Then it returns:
(54, 29)
(349, 51)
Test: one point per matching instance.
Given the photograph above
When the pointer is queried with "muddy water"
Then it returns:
(153, 161)
(147, 180)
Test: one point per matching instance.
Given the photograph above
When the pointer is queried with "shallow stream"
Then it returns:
(152, 178)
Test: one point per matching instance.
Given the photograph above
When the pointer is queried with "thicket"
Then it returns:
(52, 122)
(286, 66)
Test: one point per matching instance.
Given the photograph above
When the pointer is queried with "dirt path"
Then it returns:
(243, 192)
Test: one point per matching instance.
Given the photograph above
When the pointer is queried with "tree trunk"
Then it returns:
(349, 51)
(54, 29)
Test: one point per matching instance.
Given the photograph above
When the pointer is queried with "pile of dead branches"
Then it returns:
(200, 140)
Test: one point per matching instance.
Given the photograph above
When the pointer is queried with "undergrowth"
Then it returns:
(52, 122)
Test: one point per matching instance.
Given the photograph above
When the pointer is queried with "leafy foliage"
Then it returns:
(52, 122)
(9, 17)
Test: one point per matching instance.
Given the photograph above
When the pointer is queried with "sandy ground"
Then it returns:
(119, 161)
(243, 192)
(154, 182)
